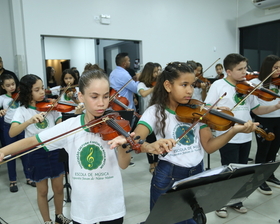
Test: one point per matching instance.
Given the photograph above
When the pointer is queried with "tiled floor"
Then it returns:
(21, 207)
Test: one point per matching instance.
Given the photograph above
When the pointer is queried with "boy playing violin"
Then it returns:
(238, 148)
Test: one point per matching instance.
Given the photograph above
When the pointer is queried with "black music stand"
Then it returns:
(63, 158)
(206, 192)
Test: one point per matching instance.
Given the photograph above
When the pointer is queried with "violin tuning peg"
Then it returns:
(125, 145)
(260, 126)
(128, 151)
(141, 141)
(137, 137)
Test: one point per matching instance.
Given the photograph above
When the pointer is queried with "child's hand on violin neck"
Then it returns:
(119, 141)
(37, 118)
(248, 127)
(159, 147)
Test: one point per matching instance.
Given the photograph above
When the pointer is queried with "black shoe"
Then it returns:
(273, 181)
(13, 187)
(61, 219)
(265, 189)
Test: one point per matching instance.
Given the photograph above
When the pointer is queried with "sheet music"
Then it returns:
(212, 172)
(206, 173)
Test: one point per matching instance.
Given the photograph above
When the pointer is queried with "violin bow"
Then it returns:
(257, 86)
(14, 100)
(51, 140)
(113, 96)
(57, 100)
(198, 120)
(209, 67)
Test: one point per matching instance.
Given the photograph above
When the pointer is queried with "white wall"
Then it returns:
(169, 30)
(249, 15)
(6, 38)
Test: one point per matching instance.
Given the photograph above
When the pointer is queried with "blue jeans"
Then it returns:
(12, 164)
(165, 175)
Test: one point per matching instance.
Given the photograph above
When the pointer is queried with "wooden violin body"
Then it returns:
(246, 87)
(112, 126)
(251, 75)
(220, 120)
(119, 102)
(48, 105)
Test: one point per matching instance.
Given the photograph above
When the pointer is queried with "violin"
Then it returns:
(220, 76)
(200, 80)
(276, 81)
(245, 87)
(48, 105)
(251, 75)
(219, 120)
(108, 127)
(118, 102)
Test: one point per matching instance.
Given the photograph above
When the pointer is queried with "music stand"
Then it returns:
(206, 192)
(193, 202)
(127, 115)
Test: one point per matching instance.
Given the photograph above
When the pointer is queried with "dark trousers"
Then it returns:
(12, 164)
(116, 221)
(235, 153)
(164, 177)
(267, 150)
(152, 158)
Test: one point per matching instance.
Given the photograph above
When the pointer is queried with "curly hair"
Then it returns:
(160, 96)
(25, 89)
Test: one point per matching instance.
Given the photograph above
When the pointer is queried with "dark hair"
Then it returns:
(232, 60)
(160, 96)
(217, 65)
(88, 76)
(200, 65)
(25, 87)
(4, 77)
(192, 64)
(157, 64)
(147, 74)
(120, 58)
(77, 73)
(64, 73)
(49, 73)
(266, 68)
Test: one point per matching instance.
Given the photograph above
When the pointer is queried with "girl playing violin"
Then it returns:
(8, 84)
(267, 150)
(145, 90)
(97, 191)
(200, 87)
(175, 86)
(43, 165)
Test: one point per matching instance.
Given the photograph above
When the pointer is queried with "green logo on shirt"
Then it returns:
(91, 157)
(238, 97)
(13, 104)
(42, 125)
(275, 90)
(66, 97)
(188, 139)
